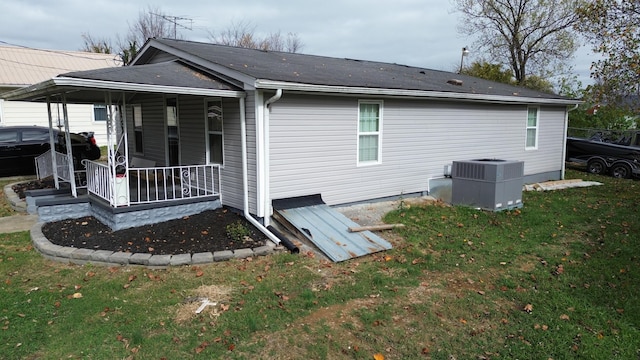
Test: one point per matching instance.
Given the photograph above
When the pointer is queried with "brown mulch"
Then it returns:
(21, 188)
(209, 231)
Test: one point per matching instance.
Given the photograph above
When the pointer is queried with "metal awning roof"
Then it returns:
(310, 217)
(173, 77)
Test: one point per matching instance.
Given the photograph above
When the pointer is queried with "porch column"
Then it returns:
(67, 137)
(52, 147)
(117, 147)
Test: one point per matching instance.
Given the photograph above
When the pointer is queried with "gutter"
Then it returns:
(442, 95)
(265, 153)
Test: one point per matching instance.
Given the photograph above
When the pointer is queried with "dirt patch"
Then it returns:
(217, 295)
(209, 231)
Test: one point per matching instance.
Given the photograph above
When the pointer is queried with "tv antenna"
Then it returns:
(175, 21)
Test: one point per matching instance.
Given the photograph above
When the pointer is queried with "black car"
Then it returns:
(20, 145)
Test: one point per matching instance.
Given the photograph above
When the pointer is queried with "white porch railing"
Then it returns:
(152, 185)
(44, 168)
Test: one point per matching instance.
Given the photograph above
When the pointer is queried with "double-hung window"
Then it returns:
(533, 125)
(137, 128)
(100, 112)
(369, 132)
(214, 131)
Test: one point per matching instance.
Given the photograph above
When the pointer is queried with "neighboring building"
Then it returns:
(21, 67)
(349, 130)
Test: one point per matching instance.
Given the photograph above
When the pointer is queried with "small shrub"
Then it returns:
(237, 231)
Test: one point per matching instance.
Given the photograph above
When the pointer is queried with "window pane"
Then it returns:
(137, 116)
(99, 112)
(215, 148)
(138, 140)
(368, 148)
(531, 137)
(532, 118)
(35, 135)
(8, 136)
(214, 115)
(369, 117)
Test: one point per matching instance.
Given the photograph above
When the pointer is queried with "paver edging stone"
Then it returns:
(83, 256)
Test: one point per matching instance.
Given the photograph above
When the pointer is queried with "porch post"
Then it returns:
(67, 137)
(52, 147)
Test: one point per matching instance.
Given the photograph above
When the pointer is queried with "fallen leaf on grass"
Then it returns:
(378, 356)
(564, 317)
(528, 308)
(76, 295)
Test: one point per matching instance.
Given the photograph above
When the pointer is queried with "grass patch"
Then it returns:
(557, 279)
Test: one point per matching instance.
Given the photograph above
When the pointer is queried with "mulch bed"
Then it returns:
(209, 231)
(21, 188)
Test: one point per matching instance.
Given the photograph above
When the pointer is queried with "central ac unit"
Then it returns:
(490, 184)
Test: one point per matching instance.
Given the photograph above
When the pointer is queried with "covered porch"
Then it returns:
(165, 131)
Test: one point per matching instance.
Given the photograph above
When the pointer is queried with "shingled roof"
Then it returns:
(339, 72)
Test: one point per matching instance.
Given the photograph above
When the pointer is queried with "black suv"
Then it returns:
(20, 145)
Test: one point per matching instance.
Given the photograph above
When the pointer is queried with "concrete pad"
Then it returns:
(15, 223)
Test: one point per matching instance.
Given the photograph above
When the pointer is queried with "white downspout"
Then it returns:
(266, 167)
(564, 139)
(245, 177)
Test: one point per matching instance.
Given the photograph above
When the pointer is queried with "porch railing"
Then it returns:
(153, 184)
(44, 168)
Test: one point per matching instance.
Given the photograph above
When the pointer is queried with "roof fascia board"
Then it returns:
(247, 80)
(274, 85)
(47, 86)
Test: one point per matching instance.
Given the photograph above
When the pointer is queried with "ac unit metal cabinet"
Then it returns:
(490, 184)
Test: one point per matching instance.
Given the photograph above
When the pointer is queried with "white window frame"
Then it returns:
(378, 133)
(210, 132)
(528, 128)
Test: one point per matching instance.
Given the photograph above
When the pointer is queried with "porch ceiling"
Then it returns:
(173, 77)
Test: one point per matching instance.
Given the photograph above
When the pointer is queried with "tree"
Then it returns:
(591, 114)
(613, 28)
(488, 71)
(243, 34)
(529, 36)
(102, 46)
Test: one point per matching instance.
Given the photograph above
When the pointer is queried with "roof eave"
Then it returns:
(40, 90)
(443, 95)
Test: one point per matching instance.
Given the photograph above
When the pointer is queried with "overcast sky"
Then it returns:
(412, 32)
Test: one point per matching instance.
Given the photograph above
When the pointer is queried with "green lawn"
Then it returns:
(558, 279)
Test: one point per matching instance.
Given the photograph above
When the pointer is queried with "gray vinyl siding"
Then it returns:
(193, 135)
(153, 129)
(314, 144)
(232, 192)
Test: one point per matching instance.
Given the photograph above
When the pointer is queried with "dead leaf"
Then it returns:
(528, 308)
(132, 277)
(199, 273)
(77, 295)
(378, 356)
(564, 317)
